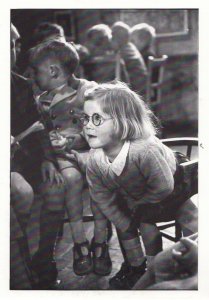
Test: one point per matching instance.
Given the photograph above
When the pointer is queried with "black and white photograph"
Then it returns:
(104, 150)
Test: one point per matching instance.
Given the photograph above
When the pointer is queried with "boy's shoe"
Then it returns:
(102, 265)
(46, 271)
(127, 277)
(82, 264)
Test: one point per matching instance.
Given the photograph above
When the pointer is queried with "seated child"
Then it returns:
(128, 167)
(43, 32)
(143, 36)
(103, 65)
(54, 64)
(133, 59)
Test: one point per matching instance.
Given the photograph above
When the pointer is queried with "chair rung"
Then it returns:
(170, 238)
(162, 227)
(85, 219)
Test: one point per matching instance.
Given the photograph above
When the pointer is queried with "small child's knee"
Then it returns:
(72, 178)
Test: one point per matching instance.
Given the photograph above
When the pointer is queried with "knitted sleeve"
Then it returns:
(158, 176)
(104, 198)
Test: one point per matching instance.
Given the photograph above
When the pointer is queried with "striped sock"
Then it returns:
(134, 253)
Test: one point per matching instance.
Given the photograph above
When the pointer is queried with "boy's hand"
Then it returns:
(50, 173)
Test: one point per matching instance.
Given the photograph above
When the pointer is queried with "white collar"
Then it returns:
(119, 162)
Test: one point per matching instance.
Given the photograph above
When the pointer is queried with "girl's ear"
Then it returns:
(54, 71)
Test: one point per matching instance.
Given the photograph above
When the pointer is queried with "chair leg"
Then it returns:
(61, 230)
(109, 231)
(178, 231)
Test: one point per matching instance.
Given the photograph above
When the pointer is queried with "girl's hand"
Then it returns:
(81, 159)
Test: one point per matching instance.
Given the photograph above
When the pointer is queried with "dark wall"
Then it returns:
(77, 21)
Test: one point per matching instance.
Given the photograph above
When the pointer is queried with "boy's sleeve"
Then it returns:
(48, 152)
(105, 199)
(158, 175)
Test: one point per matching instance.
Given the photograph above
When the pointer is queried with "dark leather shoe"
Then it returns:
(102, 264)
(82, 264)
(127, 277)
(46, 271)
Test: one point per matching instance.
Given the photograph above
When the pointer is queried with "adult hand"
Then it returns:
(50, 173)
(188, 257)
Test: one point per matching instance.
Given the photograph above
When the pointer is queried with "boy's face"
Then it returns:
(42, 75)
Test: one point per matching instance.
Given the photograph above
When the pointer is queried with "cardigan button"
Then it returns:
(71, 112)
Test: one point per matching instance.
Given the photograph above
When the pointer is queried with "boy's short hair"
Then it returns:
(144, 27)
(99, 34)
(45, 30)
(62, 52)
(131, 117)
(122, 29)
(144, 32)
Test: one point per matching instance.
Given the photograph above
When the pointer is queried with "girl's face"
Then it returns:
(102, 136)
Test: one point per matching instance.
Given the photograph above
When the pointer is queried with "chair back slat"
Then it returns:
(155, 79)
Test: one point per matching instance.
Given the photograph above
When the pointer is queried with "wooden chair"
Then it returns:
(155, 79)
(185, 145)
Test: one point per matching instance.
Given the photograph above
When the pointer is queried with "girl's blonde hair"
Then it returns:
(131, 116)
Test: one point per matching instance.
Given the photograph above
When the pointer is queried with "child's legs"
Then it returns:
(152, 239)
(145, 217)
(187, 217)
(74, 187)
(131, 247)
(51, 216)
(100, 224)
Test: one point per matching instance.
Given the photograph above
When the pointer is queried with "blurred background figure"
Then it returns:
(83, 54)
(134, 62)
(143, 36)
(98, 39)
(103, 65)
(46, 31)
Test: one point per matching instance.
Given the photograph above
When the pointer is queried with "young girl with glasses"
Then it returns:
(129, 170)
